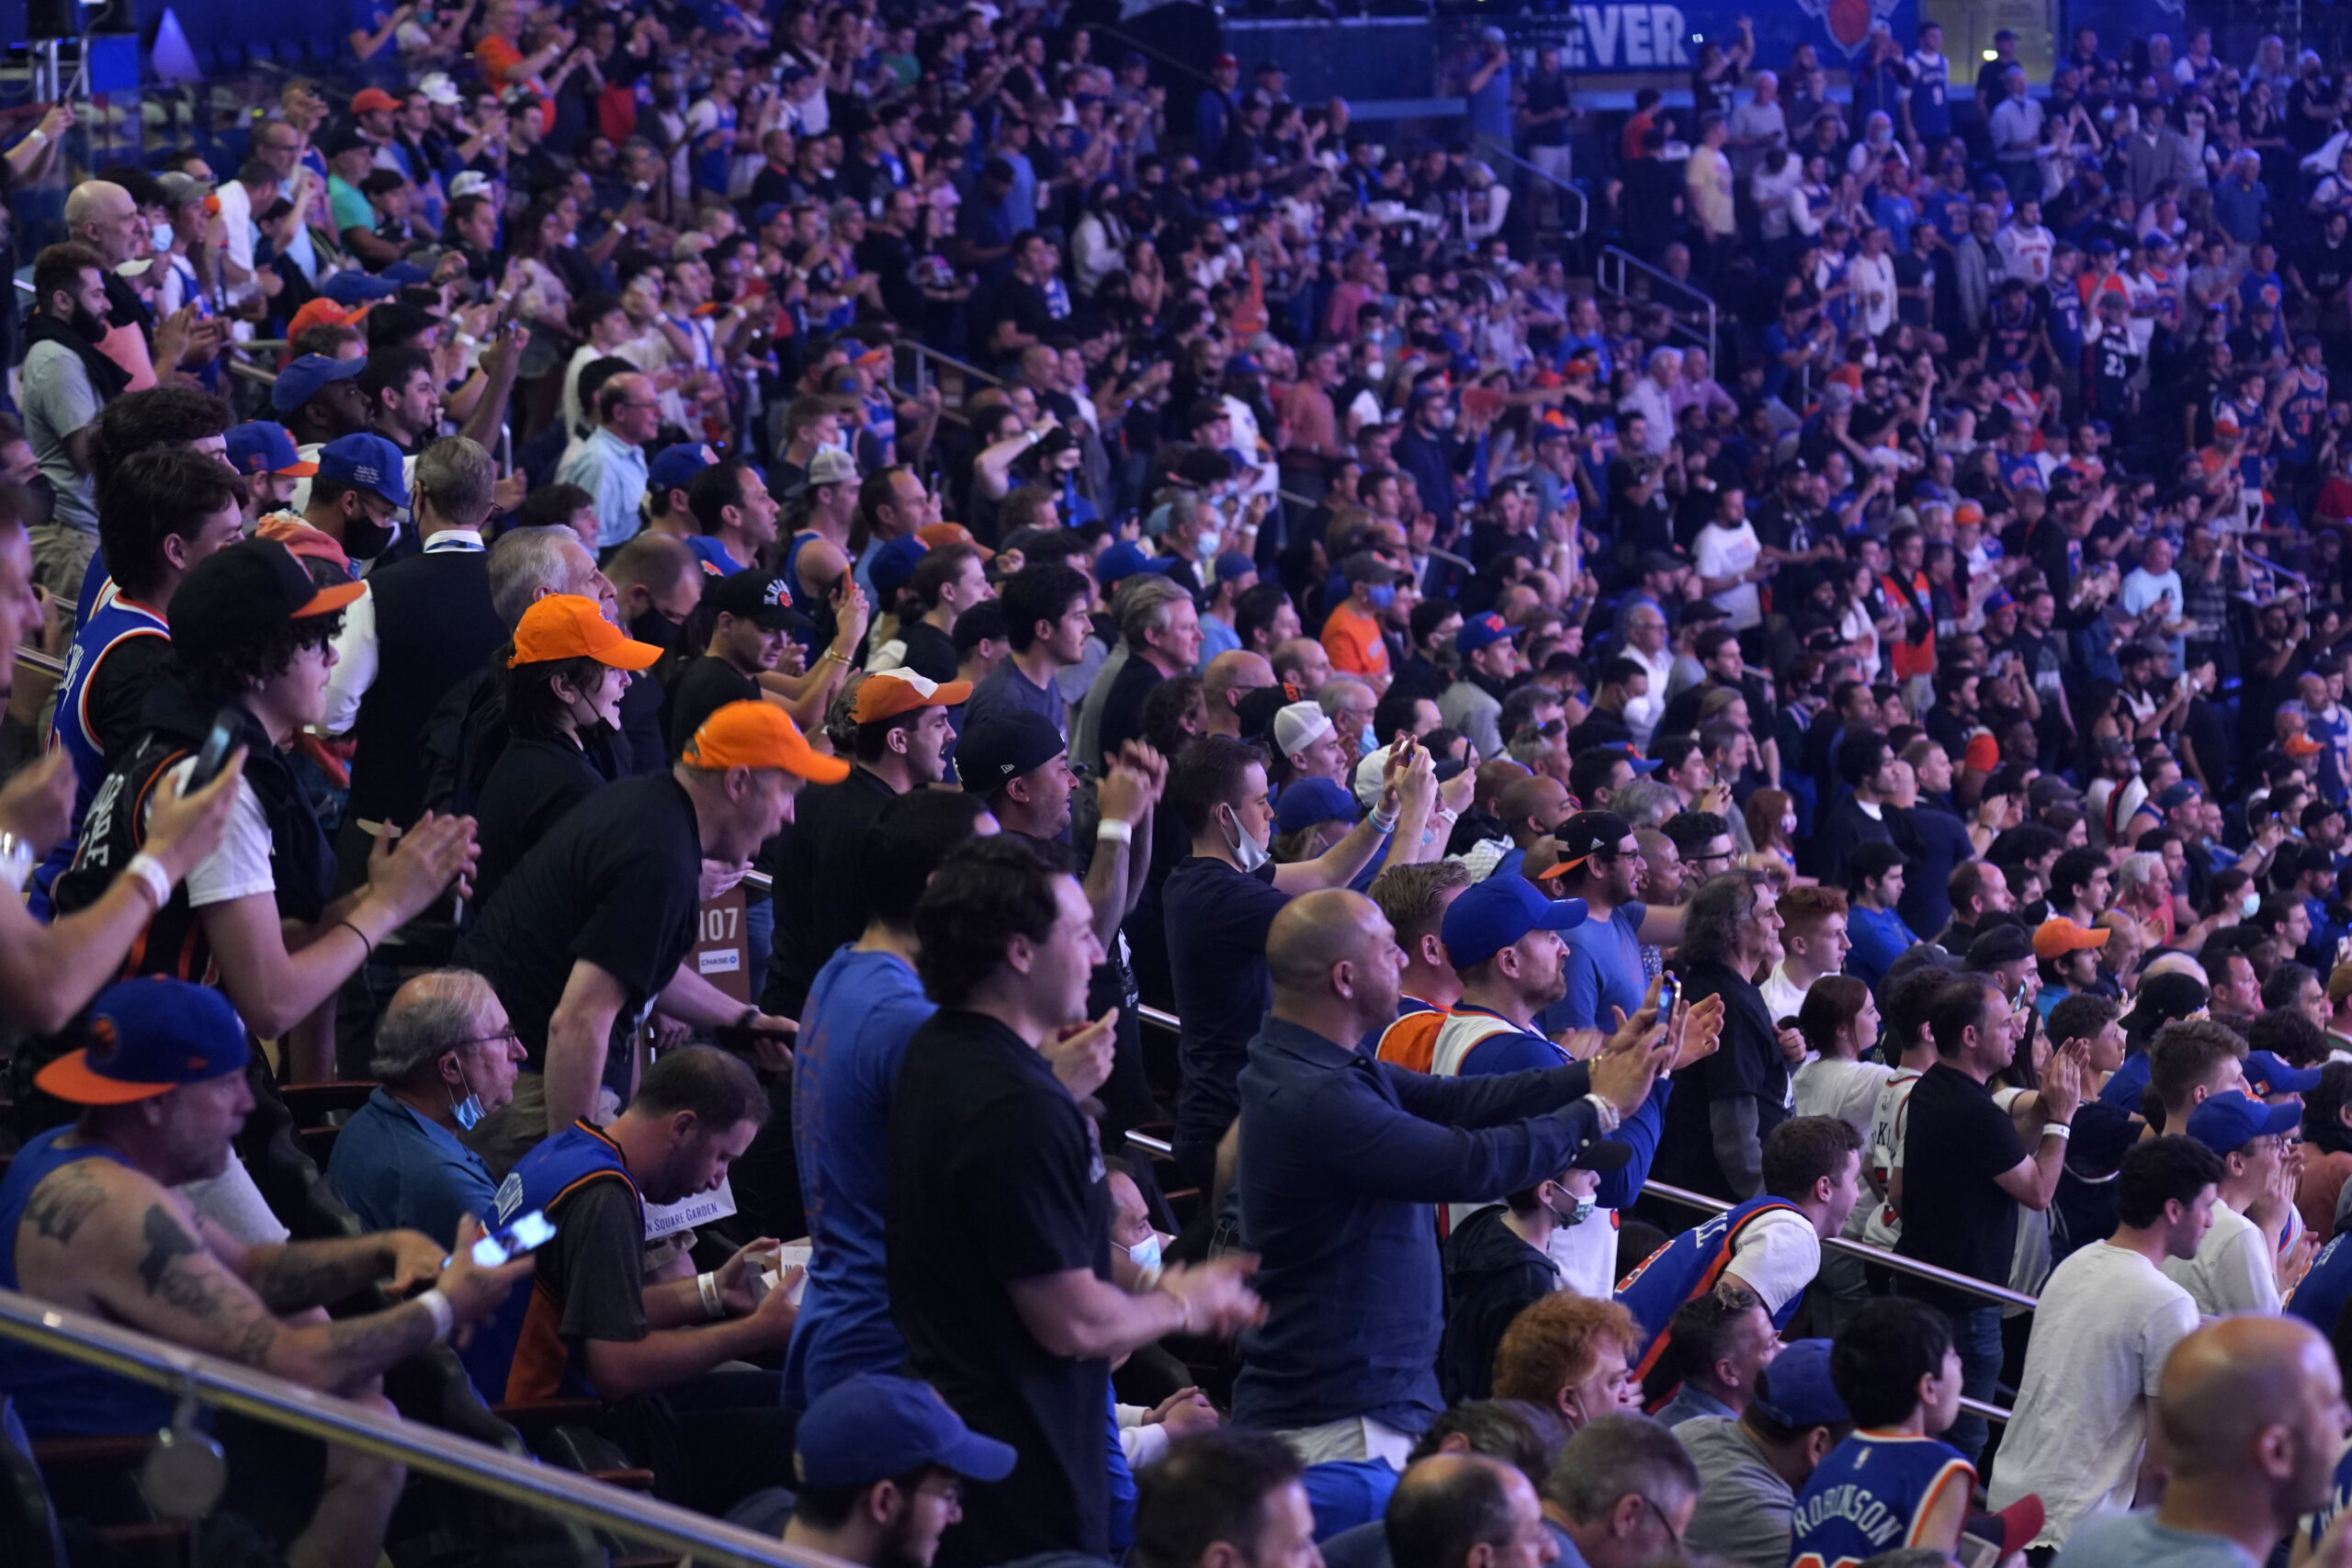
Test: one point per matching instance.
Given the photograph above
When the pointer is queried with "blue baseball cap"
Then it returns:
(367, 461)
(766, 213)
(1491, 914)
(1310, 802)
(2267, 1073)
(873, 1428)
(358, 289)
(300, 381)
(259, 446)
(1125, 558)
(2177, 794)
(1482, 631)
(894, 563)
(1795, 1389)
(2227, 1122)
(1233, 564)
(148, 1037)
(675, 467)
(1641, 766)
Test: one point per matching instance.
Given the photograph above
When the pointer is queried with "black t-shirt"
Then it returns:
(995, 1177)
(533, 783)
(594, 1266)
(1123, 704)
(1954, 1214)
(930, 653)
(704, 686)
(617, 882)
(1022, 303)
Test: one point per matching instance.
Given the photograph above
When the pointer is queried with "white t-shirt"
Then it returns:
(2232, 1269)
(1587, 1254)
(1831, 1085)
(240, 867)
(1727, 552)
(1890, 1126)
(1777, 1255)
(2108, 1320)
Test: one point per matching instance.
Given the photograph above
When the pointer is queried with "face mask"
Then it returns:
(1145, 1254)
(1204, 546)
(364, 540)
(1247, 851)
(159, 236)
(2251, 906)
(466, 1112)
(1788, 824)
(1445, 419)
(1374, 370)
(1577, 1215)
(1367, 742)
(1383, 596)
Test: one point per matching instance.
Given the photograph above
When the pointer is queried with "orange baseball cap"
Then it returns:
(1984, 753)
(759, 735)
(565, 625)
(2302, 746)
(324, 312)
(2057, 937)
(935, 534)
(887, 694)
(368, 100)
(1967, 512)
(306, 542)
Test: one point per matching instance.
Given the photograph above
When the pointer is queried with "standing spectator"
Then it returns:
(2108, 1320)
(1047, 620)
(1964, 1171)
(1000, 1272)
(1874, 885)
(610, 464)
(66, 381)
(1725, 1110)
(1160, 632)
(1339, 1159)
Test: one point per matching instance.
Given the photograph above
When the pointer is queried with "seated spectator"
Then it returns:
(592, 1326)
(93, 1227)
(1572, 1358)
(1721, 1342)
(1622, 1492)
(878, 1466)
(1518, 1434)
(1458, 1510)
(1223, 1497)
(445, 1058)
(1749, 1468)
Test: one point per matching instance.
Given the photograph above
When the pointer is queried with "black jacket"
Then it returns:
(1490, 1277)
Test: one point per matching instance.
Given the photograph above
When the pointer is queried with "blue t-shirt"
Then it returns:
(398, 1171)
(715, 561)
(1604, 971)
(2127, 1084)
(1880, 938)
(862, 1010)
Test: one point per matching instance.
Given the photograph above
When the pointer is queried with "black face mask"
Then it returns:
(363, 539)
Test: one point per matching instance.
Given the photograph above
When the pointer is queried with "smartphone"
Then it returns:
(527, 1234)
(217, 744)
(1669, 991)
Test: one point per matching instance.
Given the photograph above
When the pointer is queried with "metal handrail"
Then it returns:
(228, 1386)
(40, 661)
(1621, 260)
(924, 354)
(1584, 205)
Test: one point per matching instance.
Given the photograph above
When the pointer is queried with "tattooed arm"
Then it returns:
(114, 1242)
(302, 1274)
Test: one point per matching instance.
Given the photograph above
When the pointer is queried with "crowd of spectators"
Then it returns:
(1390, 911)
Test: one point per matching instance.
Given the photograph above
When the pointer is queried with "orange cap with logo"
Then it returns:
(759, 735)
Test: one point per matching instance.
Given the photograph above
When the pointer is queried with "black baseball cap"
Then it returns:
(234, 597)
(757, 597)
(1003, 746)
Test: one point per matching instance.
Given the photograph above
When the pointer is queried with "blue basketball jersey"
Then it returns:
(2340, 1497)
(1687, 1266)
(114, 621)
(2325, 1286)
(1872, 1495)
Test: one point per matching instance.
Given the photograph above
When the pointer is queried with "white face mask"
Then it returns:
(1145, 1254)
(1249, 852)
(160, 237)
(1204, 546)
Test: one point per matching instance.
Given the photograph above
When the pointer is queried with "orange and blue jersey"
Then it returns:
(1688, 1266)
(114, 621)
(1874, 1493)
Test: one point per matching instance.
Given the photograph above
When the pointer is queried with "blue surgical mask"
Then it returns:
(1204, 546)
(2251, 906)
(1383, 596)
(1367, 742)
(1577, 1215)
(1145, 1254)
(467, 1112)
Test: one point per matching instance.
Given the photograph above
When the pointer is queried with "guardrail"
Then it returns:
(1584, 206)
(924, 355)
(1614, 262)
(225, 1385)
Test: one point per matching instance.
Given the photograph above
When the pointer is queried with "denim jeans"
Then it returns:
(1976, 1335)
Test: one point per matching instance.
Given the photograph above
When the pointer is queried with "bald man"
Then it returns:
(2252, 1414)
(1303, 663)
(1341, 1156)
(103, 216)
(1530, 805)
(1228, 678)
(1453, 1510)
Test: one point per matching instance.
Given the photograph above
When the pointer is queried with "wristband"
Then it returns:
(37, 139)
(2057, 1130)
(1608, 1113)
(152, 875)
(355, 931)
(1117, 831)
(444, 1315)
(1383, 823)
(708, 1284)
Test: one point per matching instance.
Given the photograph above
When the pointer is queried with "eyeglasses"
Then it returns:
(506, 1035)
(1665, 1523)
(952, 1494)
(1705, 860)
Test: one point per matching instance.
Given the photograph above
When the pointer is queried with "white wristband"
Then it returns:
(149, 871)
(37, 139)
(712, 1307)
(1608, 1114)
(2057, 1130)
(445, 1316)
(1117, 831)
(1383, 822)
